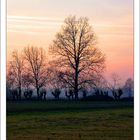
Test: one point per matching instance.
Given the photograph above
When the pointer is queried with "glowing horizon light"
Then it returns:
(36, 23)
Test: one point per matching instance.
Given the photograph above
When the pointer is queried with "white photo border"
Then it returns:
(136, 71)
(3, 71)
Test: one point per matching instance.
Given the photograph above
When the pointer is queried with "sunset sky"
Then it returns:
(35, 22)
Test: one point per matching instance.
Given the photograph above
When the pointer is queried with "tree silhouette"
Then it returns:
(75, 53)
(43, 93)
(36, 66)
(129, 86)
(15, 72)
(28, 94)
(56, 93)
(69, 94)
(115, 86)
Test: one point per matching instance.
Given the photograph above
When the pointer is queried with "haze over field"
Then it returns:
(36, 22)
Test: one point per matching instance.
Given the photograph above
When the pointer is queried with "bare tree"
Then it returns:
(115, 81)
(116, 86)
(36, 66)
(28, 94)
(101, 83)
(75, 53)
(69, 94)
(129, 86)
(15, 72)
(43, 93)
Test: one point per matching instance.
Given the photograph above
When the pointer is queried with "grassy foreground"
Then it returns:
(61, 120)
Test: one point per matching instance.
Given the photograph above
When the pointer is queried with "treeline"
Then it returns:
(95, 94)
(76, 65)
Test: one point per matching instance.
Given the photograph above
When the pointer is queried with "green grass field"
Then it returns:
(62, 120)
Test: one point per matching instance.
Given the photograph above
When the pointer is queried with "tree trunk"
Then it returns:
(76, 84)
(76, 94)
(19, 94)
(37, 89)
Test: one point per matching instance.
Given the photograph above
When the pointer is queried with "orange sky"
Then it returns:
(35, 22)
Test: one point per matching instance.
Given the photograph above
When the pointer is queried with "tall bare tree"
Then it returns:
(36, 66)
(15, 71)
(76, 54)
